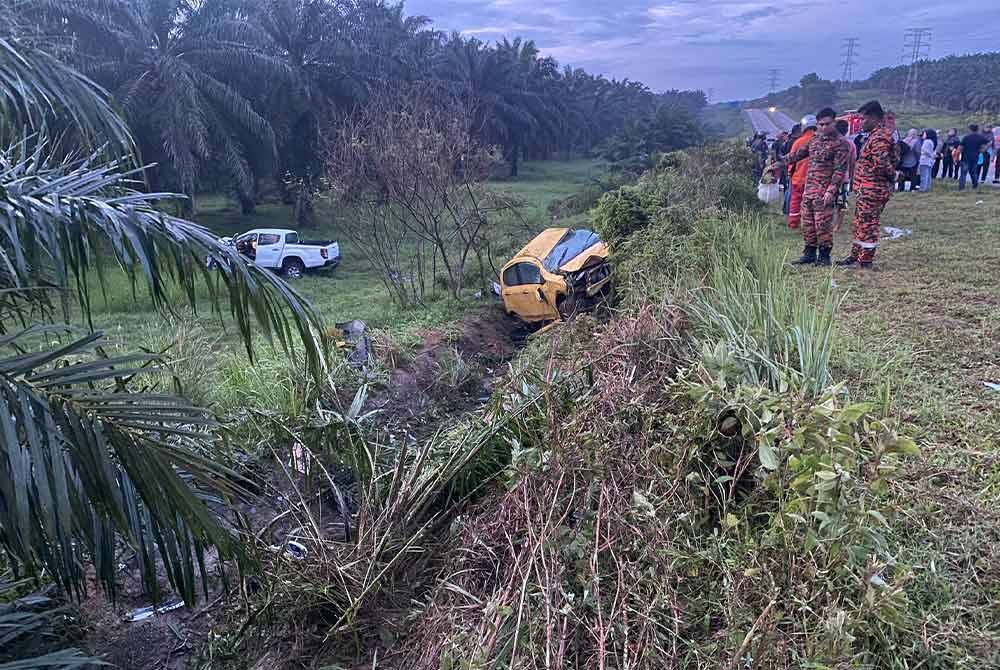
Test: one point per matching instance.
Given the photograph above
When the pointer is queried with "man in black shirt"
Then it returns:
(972, 145)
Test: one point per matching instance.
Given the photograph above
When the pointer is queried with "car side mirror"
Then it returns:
(541, 296)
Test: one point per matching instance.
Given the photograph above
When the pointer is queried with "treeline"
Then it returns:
(958, 83)
(223, 94)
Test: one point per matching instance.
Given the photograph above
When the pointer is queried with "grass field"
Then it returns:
(353, 290)
(924, 326)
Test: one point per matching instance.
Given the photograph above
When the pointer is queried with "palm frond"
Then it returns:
(62, 222)
(35, 85)
(84, 461)
(26, 635)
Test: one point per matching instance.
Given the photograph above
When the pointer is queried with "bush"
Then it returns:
(620, 214)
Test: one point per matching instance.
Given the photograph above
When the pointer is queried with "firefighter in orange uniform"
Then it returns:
(798, 171)
(875, 175)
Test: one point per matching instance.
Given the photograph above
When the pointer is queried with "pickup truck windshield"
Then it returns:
(572, 244)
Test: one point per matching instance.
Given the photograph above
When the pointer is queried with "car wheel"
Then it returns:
(293, 269)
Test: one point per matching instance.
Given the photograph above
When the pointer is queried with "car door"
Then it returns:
(269, 246)
(523, 293)
(247, 245)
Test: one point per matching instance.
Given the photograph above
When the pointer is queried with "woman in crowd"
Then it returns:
(928, 154)
(909, 159)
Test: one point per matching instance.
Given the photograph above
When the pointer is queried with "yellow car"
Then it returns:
(559, 272)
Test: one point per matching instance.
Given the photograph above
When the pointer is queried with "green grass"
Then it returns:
(924, 326)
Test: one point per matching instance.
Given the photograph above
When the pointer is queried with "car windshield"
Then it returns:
(572, 244)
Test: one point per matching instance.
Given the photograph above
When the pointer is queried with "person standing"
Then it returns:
(874, 173)
(928, 154)
(947, 155)
(843, 128)
(972, 146)
(799, 170)
(786, 149)
(829, 159)
(996, 153)
(989, 147)
(909, 160)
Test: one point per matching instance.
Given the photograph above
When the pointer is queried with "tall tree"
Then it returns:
(175, 67)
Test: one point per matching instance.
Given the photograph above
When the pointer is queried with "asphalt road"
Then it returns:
(772, 123)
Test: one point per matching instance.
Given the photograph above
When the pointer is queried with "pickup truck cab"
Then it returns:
(281, 250)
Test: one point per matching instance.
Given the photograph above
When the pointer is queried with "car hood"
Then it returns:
(593, 255)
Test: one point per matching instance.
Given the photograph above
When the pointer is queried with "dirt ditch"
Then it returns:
(452, 373)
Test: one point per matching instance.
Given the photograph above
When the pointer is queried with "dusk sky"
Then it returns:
(725, 45)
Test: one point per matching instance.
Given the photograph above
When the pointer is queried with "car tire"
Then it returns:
(293, 269)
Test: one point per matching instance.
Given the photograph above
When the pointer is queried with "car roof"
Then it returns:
(273, 231)
(543, 243)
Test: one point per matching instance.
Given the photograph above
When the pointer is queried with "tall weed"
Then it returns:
(773, 331)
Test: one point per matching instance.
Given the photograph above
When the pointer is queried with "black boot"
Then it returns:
(808, 256)
(824, 256)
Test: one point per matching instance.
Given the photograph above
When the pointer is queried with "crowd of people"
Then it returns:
(819, 163)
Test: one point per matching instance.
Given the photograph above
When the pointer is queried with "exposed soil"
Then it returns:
(427, 391)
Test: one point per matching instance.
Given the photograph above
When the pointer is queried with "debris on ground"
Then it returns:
(354, 342)
(894, 233)
(143, 613)
(991, 385)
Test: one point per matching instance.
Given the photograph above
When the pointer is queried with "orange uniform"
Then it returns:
(798, 172)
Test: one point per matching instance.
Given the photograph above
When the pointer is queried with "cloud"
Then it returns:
(726, 45)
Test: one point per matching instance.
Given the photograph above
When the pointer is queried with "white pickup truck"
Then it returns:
(281, 250)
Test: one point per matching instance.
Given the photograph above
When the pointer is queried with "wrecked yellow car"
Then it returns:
(560, 272)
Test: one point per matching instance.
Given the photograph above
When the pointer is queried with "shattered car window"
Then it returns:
(573, 243)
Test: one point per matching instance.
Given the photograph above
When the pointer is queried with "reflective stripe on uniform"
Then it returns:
(866, 245)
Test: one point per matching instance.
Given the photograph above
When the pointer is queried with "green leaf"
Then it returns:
(768, 455)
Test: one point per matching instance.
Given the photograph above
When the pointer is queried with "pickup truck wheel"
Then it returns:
(293, 268)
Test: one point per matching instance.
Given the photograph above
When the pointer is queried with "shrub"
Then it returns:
(619, 214)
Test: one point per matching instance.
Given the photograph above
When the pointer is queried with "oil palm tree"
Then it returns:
(93, 453)
(178, 69)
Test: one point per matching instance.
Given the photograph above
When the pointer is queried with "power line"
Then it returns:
(772, 78)
(849, 53)
(917, 46)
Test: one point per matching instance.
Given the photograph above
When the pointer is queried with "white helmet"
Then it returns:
(808, 121)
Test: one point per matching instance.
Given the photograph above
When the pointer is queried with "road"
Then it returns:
(766, 121)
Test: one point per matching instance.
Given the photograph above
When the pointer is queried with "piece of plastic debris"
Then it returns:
(496, 288)
(296, 550)
(300, 458)
(478, 295)
(894, 233)
(980, 202)
(143, 613)
(991, 385)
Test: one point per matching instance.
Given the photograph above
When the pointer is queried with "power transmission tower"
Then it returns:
(772, 79)
(709, 95)
(916, 46)
(850, 48)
